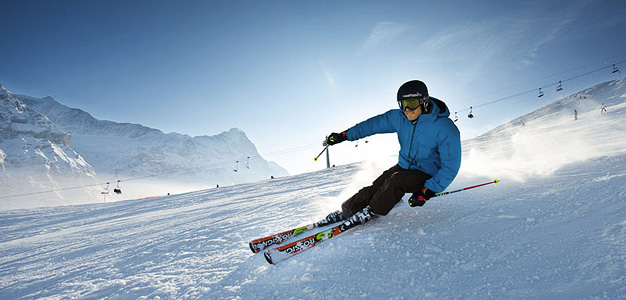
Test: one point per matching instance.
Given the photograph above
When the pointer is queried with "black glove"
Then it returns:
(420, 198)
(336, 138)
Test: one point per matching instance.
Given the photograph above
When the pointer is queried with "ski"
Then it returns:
(278, 254)
(275, 239)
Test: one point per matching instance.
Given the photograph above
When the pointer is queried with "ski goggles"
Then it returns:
(411, 103)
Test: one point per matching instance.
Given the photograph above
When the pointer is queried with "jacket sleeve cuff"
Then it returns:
(432, 186)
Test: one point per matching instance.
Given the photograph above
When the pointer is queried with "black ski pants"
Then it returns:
(386, 191)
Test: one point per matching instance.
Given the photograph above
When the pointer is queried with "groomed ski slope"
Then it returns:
(554, 228)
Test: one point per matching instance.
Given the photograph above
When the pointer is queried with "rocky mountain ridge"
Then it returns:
(154, 163)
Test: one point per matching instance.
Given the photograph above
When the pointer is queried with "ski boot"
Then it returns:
(359, 218)
(331, 218)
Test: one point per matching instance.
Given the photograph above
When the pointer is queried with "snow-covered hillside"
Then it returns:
(543, 141)
(36, 155)
(554, 228)
(51, 154)
(123, 150)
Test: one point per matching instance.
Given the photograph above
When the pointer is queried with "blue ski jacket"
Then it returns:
(432, 144)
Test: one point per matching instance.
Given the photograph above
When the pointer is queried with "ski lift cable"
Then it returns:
(300, 148)
(543, 87)
(201, 167)
(593, 71)
(554, 75)
(226, 163)
(52, 191)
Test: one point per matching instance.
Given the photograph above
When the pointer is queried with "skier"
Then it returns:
(429, 158)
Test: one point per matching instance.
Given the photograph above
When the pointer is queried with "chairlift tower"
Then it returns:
(327, 158)
(327, 154)
(105, 192)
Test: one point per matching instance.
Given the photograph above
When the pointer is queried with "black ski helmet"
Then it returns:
(414, 89)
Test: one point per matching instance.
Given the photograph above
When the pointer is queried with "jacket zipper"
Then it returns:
(411, 145)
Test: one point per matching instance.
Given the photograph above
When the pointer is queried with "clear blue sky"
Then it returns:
(290, 72)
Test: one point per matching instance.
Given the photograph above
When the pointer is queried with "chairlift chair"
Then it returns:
(615, 70)
(117, 189)
(470, 115)
(105, 190)
(540, 93)
(560, 87)
(236, 167)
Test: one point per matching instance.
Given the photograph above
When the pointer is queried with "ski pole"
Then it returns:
(467, 188)
(318, 156)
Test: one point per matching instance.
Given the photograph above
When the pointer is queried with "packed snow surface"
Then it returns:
(553, 228)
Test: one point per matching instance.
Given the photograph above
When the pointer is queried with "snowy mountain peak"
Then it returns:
(36, 155)
(166, 163)
(16, 119)
(9, 101)
(77, 121)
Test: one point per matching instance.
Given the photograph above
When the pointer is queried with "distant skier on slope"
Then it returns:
(429, 158)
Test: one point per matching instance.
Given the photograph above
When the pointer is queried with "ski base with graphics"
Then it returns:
(278, 254)
(275, 239)
(273, 256)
